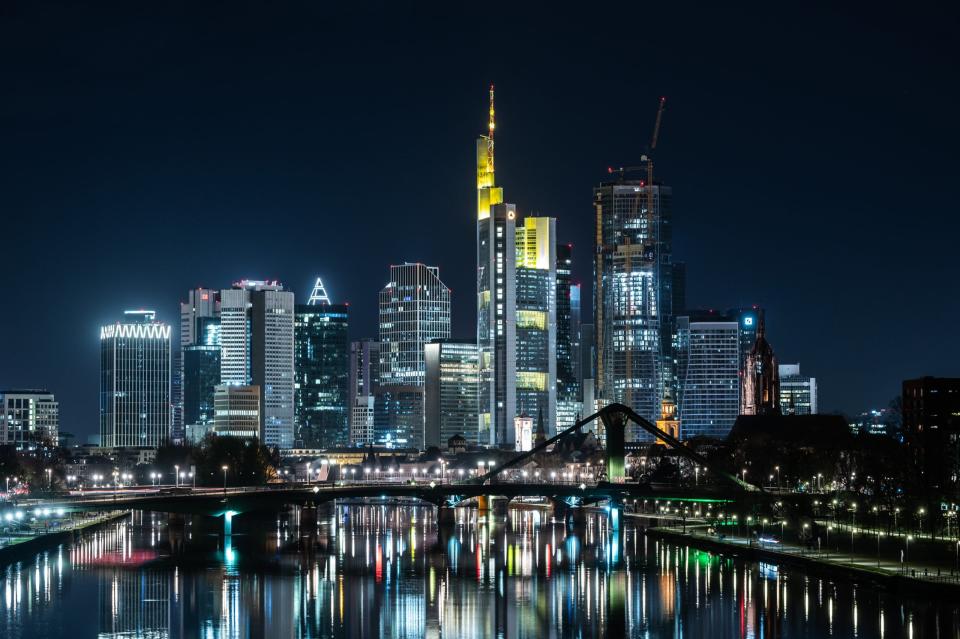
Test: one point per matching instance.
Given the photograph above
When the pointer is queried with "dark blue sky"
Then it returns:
(146, 148)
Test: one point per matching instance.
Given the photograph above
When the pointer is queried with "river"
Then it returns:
(389, 571)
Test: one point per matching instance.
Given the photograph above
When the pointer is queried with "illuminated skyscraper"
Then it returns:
(201, 374)
(135, 374)
(568, 340)
(414, 310)
(709, 374)
(364, 381)
(451, 393)
(256, 334)
(202, 305)
(496, 299)
(536, 323)
(322, 365)
(633, 295)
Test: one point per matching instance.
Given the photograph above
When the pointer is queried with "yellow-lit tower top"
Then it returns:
(488, 193)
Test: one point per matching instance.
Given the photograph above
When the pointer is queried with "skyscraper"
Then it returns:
(414, 310)
(202, 305)
(322, 365)
(452, 391)
(633, 295)
(256, 333)
(568, 339)
(536, 323)
(29, 419)
(201, 375)
(761, 378)
(708, 374)
(364, 381)
(496, 297)
(798, 394)
(497, 324)
(135, 380)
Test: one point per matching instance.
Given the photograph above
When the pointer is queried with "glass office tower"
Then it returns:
(414, 310)
(135, 380)
(322, 364)
(536, 320)
(709, 375)
(633, 296)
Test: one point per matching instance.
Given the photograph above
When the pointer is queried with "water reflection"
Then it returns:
(388, 570)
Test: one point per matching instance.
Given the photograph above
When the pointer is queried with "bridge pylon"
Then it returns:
(615, 425)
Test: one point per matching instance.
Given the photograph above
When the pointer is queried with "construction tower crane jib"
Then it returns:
(319, 294)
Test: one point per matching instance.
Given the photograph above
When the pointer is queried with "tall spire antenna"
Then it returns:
(319, 294)
(491, 125)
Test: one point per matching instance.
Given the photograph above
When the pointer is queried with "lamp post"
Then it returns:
(49, 480)
(906, 556)
(176, 476)
(224, 469)
(777, 468)
(878, 547)
(853, 526)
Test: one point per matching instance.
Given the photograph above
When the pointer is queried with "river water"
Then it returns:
(389, 571)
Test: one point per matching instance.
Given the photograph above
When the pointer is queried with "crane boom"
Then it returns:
(656, 126)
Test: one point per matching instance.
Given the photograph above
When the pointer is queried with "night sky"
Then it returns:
(146, 148)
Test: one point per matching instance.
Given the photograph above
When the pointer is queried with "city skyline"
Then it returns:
(715, 132)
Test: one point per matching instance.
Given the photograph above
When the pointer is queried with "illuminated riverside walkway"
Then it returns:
(863, 564)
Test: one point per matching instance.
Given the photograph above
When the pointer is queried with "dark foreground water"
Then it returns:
(387, 571)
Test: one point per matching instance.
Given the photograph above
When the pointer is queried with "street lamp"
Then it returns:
(49, 480)
(224, 469)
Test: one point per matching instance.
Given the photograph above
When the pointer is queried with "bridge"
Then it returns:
(445, 495)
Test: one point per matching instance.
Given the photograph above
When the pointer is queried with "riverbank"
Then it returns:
(28, 545)
(896, 577)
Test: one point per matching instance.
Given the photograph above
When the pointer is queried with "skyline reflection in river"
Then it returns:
(389, 571)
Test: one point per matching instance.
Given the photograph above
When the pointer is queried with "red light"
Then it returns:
(609, 169)
(205, 296)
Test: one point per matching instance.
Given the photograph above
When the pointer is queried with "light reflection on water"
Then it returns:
(371, 571)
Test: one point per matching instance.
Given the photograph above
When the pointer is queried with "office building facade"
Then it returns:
(257, 348)
(496, 297)
(322, 365)
(931, 430)
(798, 394)
(201, 375)
(452, 392)
(633, 295)
(237, 411)
(29, 419)
(135, 382)
(536, 319)
(708, 366)
(363, 384)
(201, 307)
(414, 310)
(568, 339)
